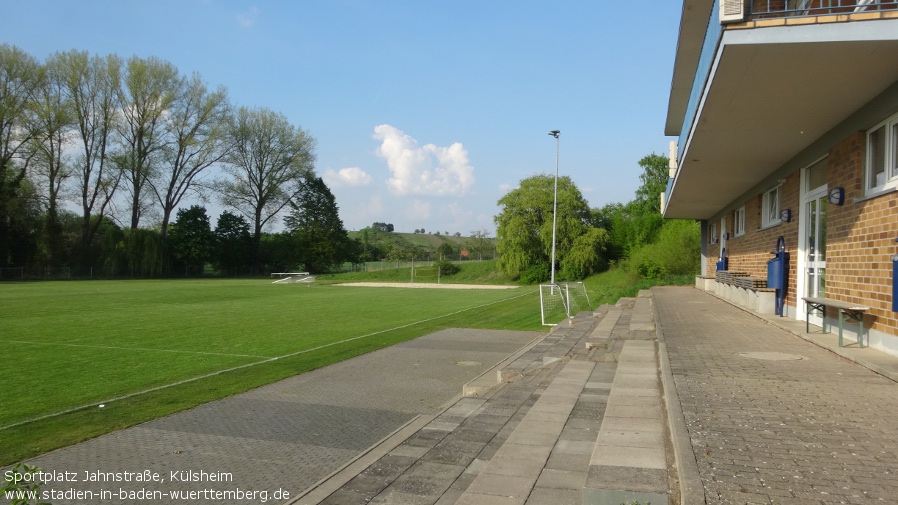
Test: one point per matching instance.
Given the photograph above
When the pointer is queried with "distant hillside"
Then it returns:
(425, 240)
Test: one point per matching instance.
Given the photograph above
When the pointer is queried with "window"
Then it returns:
(712, 233)
(770, 208)
(739, 222)
(882, 156)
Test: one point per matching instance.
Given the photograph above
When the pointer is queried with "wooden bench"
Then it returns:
(847, 311)
(753, 283)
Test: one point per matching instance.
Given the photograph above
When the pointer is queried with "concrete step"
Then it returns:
(511, 474)
(629, 460)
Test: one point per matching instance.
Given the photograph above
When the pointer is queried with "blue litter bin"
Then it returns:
(775, 271)
(723, 263)
(895, 282)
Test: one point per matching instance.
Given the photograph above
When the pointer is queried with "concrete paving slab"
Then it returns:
(631, 439)
(504, 465)
(628, 456)
(485, 499)
(562, 479)
(574, 447)
(562, 460)
(550, 496)
(512, 486)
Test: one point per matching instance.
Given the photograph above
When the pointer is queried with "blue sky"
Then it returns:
(425, 113)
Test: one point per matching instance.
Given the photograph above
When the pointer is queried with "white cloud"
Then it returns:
(429, 170)
(346, 177)
(248, 18)
(505, 188)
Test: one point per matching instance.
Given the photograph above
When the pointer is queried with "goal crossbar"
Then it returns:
(293, 277)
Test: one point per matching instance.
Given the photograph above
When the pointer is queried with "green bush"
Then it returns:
(534, 274)
(676, 251)
(447, 267)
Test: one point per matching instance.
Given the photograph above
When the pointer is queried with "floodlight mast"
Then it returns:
(555, 134)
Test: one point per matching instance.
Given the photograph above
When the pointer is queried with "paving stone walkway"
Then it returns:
(773, 418)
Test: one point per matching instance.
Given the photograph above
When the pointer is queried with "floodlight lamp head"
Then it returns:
(555, 133)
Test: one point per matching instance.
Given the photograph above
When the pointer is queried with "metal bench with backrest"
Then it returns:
(847, 311)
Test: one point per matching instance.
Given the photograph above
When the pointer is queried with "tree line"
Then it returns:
(587, 241)
(127, 142)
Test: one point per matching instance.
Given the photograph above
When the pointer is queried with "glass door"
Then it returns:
(815, 251)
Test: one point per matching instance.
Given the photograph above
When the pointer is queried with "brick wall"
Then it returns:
(860, 238)
(750, 252)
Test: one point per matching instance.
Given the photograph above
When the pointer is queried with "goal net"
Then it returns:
(12, 273)
(560, 300)
(426, 274)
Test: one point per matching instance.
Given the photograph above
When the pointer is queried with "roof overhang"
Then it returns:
(693, 23)
(771, 93)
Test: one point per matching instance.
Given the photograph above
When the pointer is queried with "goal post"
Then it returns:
(426, 274)
(561, 300)
(293, 278)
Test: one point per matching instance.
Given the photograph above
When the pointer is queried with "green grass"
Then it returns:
(608, 287)
(68, 346)
(472, 272)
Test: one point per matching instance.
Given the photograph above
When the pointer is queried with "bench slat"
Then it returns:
(836, 304)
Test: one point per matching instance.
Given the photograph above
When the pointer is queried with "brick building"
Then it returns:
(786, 114)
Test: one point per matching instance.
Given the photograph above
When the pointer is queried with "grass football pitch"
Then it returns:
(145, 349)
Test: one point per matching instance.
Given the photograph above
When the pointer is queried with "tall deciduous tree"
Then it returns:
(655, 169)
(268, 162)
(147, 93)
(587, 255)
(524, 225)
(479, 242)
(92, 86)
(196, 128)
(55, 123)
(321, 239)
(19, 74)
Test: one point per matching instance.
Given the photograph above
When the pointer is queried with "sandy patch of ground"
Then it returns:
(424, 285)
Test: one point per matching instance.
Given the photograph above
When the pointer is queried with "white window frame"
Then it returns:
(874, 181)
(739, 222)
(770, 208)
(712, 233)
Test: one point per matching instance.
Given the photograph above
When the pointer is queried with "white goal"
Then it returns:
(561, 300)
(293, 278)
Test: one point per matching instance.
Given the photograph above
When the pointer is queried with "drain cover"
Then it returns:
(467, 363)
(772, 356)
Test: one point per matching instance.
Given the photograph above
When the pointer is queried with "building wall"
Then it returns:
(861, 236)
(750, 252)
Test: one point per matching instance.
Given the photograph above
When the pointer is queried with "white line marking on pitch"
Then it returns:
(219, 372)
(94, 346)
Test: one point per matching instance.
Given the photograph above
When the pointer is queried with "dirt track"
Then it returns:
(424, 285)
